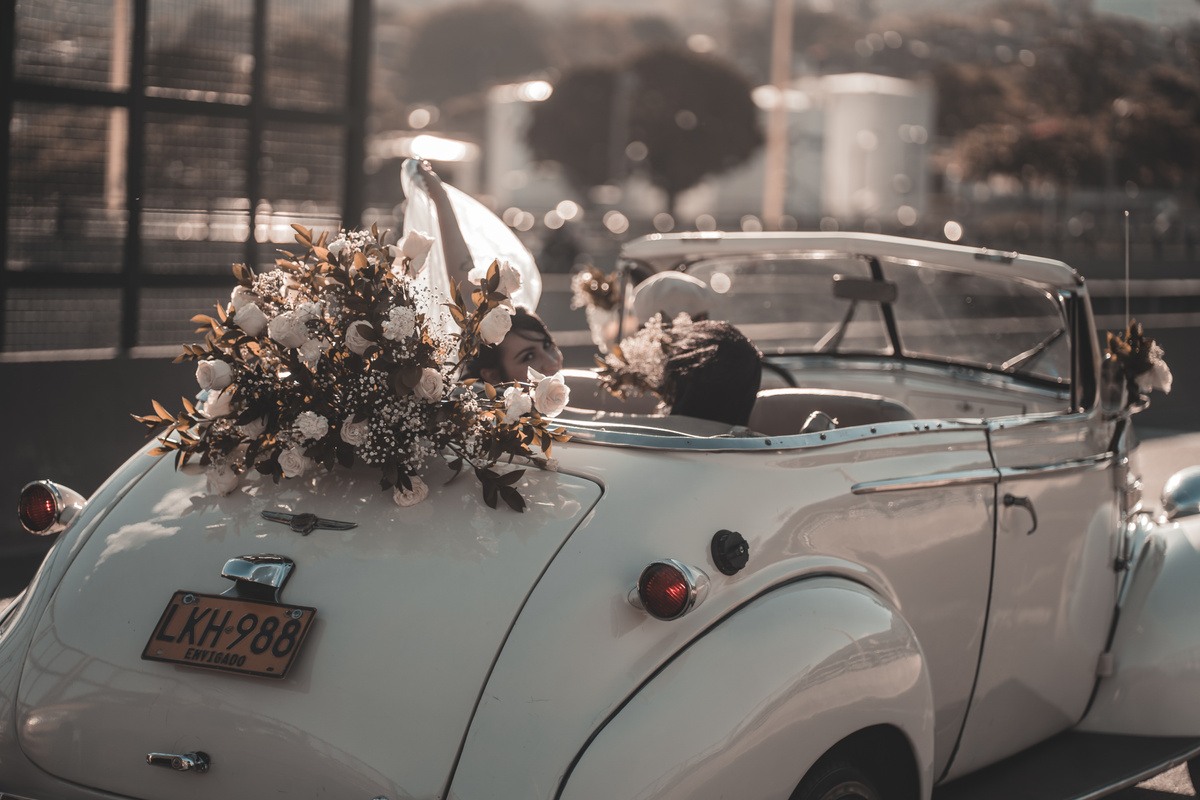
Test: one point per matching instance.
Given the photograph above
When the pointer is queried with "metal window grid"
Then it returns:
(334, 116)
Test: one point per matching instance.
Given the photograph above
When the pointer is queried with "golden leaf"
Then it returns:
(303, 235)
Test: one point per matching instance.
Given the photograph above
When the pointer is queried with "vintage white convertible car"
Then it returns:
(949, 589)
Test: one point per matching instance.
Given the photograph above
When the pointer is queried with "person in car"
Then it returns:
(713, 373)
(528, 344)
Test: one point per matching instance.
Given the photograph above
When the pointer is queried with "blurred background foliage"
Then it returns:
(1025, 88)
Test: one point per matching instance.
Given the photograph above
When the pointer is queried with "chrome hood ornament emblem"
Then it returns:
(304, 524)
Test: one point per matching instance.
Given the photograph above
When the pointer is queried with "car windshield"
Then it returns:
(840, 303)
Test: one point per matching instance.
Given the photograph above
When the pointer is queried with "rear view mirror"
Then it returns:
(866, 289)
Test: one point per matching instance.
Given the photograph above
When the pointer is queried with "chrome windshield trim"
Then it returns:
(1086, 464)
(967, 477)
(629, 435)
(864, 362)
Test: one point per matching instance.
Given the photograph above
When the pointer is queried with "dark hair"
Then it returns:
(524, 322)
(713, 373)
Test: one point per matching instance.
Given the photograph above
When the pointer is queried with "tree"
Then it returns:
(695, 116)
(572, 127)
(464, 49)
(692, 115)
(598, 38)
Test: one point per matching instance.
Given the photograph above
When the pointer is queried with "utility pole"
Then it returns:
(775, 167)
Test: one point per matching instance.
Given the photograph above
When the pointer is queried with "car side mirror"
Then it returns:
(1181, 494)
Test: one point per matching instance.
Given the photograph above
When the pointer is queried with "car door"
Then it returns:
(1053, 584)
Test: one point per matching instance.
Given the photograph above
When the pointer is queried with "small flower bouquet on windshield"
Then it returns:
(337, 356)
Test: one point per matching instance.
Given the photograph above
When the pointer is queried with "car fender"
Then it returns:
(1152, 685)
(747, 708)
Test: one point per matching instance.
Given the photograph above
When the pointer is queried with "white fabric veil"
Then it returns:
(486, 235)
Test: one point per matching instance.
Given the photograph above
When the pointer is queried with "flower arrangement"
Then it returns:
(338, 356)
(591, 288)
(637, 365)
(1138, 362)
(599, 294)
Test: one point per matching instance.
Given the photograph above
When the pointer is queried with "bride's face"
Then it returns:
(521, 350)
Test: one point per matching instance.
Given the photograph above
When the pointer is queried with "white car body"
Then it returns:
(925, 596)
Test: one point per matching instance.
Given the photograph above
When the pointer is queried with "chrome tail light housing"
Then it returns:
(668, 589)
(46, 508)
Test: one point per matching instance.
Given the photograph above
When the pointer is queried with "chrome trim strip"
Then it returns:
(629, 435)
(936, 480)
(1099, 461)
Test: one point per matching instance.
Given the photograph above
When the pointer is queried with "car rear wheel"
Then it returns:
(836, 780)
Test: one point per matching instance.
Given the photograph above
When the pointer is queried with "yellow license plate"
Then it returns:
(231, 634)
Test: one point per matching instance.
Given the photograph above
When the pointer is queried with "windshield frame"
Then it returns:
(880, 264)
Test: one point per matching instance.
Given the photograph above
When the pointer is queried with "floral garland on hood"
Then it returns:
(335, 357)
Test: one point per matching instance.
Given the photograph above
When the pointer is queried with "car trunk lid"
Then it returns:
(412, 607)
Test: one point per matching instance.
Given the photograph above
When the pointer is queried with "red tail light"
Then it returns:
(668, 589)
(46, 508)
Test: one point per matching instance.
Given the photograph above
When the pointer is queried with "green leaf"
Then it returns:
(490, 494)
(513, 498)
(509, 478)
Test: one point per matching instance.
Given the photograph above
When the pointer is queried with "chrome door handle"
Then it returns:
(180, 762)
(1026, 503)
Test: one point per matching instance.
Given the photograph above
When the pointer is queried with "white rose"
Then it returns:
(251, 319)
(294, 463)
(356, 338)
(495, 326)
(416, 246)
(288, 331)
(429, 388)
(355, 433)
(214, 374)
(218, 405)
(336, 246)
(401, 323)
(410, 497)
(477, 274)
(312, 425)
(254, 428)
(550, 393)
(510, 279)
(516, 404)
(241, 297)
(308, 311)
(1158, 376)
(310, 352)
(221, 479)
